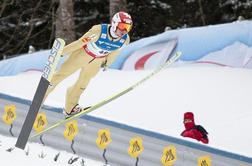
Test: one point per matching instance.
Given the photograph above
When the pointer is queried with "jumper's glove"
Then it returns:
(104, 65)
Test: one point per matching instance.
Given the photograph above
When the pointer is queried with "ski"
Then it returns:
(44, 82)
(111, 98)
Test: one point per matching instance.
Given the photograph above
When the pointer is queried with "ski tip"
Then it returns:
(61, 40)
(178, 52)
(176, 56)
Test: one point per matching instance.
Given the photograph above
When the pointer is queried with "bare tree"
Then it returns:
(4, 4)
(116, 6)
(202, 15)
(64, 21)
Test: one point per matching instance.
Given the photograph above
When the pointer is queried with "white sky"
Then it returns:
(219, 97)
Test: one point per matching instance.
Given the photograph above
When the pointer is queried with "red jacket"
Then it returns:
(194, 131)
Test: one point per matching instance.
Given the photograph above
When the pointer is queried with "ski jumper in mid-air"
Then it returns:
(97, 47)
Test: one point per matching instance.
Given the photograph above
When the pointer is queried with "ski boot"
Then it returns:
(75, 110)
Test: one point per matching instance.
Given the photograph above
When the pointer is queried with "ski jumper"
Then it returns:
(89, 57)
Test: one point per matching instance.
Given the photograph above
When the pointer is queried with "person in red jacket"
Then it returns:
(192, 130)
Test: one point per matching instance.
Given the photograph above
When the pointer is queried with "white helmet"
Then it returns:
(122, 21)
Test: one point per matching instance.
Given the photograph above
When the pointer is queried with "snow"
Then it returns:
(220, 98)
(236, 55)
(34, 150)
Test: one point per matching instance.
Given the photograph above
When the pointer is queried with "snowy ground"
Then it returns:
(220, 98)
(34, 153)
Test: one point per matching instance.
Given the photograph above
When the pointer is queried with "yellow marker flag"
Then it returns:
(136, 147)
(204, 161)
(40, 122)
(103, 138)
(10, 114)
(71, 130)
(169, 156)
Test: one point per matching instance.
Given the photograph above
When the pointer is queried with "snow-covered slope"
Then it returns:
(235, 55)
(36, 154)
(220, 98)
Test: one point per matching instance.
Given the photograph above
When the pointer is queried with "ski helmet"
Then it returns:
(122, 21)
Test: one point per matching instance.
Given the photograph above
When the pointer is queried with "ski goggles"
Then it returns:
(123, 26)
(187, 120)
